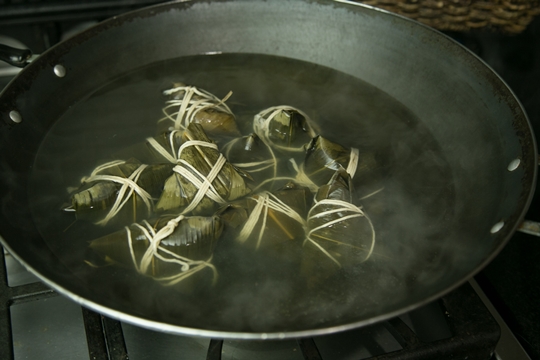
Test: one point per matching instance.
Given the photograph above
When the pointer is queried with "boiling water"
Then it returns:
(256, 293)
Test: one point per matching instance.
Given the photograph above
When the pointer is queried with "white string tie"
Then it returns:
(261, 125)
(353, 162)
(301, 176)
(303, 179)
(203, 183)
(127, 190)
(340, 206)
(187, 266)
(169, 154)
(254, 166)
(265, 201)
(193, 101)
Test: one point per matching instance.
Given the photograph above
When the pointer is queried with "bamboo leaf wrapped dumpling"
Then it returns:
(164, 147)
(120, 190)
(338, 231)
(269, 220)
(169, 249)
(190, 104)
(324, 157)
(284, 127)
(202, 177)
(251, 154)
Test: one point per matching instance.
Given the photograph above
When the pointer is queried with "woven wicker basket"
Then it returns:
(509, 16)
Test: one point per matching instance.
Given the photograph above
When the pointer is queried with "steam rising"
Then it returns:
(420, 244)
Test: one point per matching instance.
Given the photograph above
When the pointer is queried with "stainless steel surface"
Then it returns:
(15, 116)
(530, 227)
(497, 227)
(508, 346)
(514, 164)
(471, 114)
(59, 70)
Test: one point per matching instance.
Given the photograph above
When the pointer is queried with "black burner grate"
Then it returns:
(475, 332)
(104, 337)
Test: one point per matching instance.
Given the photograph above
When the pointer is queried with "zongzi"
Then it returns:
(169, 249)
(337, 230)
(284, 127)
(269, 219)
(190, 104)
(202, 178)
(120, 190)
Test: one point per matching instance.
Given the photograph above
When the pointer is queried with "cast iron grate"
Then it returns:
(475, 332)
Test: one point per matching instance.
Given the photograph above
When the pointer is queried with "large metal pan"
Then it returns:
(455, 215)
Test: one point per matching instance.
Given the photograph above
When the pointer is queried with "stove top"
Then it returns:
(38, 324)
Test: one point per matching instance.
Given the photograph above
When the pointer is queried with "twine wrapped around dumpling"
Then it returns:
(336, 228)
(202, 179)
(169, 249)
(269, 219)
(120, 190)
(158, 149)
(284, 127)
(190, 104)
(164, 147)
(251, 154)
(325, 157)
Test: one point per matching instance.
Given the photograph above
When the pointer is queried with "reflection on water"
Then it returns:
(256, 291)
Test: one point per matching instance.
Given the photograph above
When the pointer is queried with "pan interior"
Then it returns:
(414, 215)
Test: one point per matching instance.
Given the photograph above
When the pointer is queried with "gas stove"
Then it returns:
(35, 323)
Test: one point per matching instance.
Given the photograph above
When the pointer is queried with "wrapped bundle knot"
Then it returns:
(188, 267)
(277, 126)
(202, 176)
(266, 201)
(193, 105)
(193, 101)
(129, 186)
(203, 183)
(337, 209)
(169, 155)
